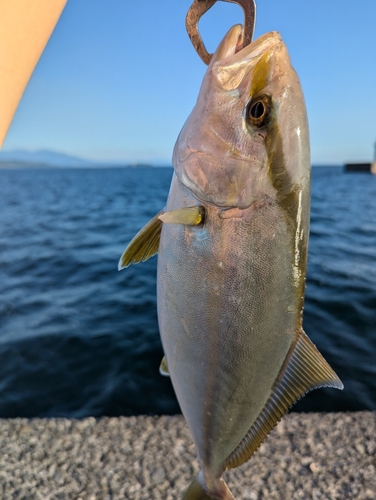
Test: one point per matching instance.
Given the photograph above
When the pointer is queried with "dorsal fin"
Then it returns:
(144, 245)
(304, 371)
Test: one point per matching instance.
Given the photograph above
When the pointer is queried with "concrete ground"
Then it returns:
(308, 456)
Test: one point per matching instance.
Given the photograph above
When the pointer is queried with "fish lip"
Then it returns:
(262, 44)
(229, 69)
(256, 48)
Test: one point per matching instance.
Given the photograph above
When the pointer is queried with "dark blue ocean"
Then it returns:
(78, 338)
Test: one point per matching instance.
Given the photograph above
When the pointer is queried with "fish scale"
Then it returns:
(220, 327)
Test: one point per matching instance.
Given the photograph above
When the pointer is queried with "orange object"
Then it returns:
(25, 28)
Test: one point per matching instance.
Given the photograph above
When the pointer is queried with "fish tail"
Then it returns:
(197, 492)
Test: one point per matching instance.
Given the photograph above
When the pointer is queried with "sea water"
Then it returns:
(78, 338)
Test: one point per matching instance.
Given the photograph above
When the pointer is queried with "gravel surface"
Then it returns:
(307, 456)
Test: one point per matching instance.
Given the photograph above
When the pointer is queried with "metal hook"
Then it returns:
(198, 9)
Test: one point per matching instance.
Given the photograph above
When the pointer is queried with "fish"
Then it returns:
(232, 244)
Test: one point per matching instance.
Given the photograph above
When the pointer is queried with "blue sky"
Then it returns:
(119, 77)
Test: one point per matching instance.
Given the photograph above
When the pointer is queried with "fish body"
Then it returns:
(231, 284)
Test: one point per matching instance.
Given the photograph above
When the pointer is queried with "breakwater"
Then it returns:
(307, 456)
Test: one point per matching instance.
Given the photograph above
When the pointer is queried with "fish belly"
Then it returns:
(228, 315)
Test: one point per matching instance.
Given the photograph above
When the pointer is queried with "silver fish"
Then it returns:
(232, 245)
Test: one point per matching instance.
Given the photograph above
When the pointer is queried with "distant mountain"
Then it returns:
(45, 158)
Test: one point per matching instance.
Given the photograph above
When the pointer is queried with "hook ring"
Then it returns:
(198, 9)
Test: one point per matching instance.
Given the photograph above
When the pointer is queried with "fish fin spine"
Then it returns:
(144, 245)
(305, 370)
(197, 492)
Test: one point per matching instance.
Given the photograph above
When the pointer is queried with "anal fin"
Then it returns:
(305, 369)
(144, 245)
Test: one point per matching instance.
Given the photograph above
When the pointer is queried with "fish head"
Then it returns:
(247, 136)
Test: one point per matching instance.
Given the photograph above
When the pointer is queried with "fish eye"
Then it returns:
(258, 111)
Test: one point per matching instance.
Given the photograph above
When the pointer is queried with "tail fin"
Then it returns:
(197, 492)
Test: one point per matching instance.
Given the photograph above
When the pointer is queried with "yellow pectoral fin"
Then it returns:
(146, 242)
(163, 368)
(26, 26)
(190, 216)
(144, 245)
(305, 370)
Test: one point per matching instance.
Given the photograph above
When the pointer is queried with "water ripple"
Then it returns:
(78, 338)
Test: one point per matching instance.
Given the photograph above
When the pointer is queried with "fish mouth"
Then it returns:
(228, 52)
(260, 45)
(230, 66)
